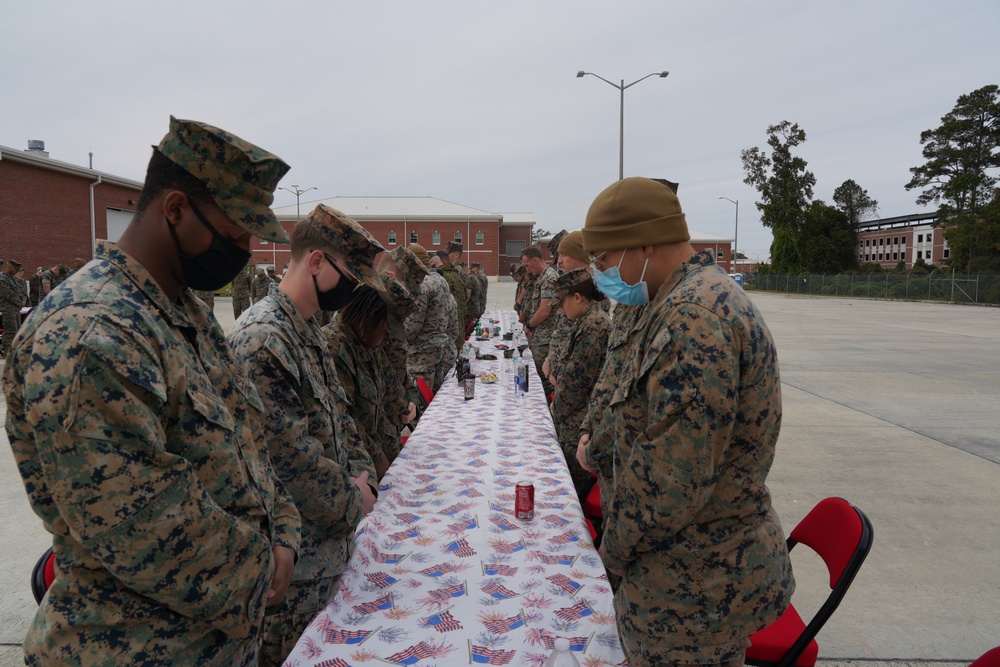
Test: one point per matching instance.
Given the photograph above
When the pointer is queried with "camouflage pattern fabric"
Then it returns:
(475, 291)
(560, 340)
(579, 368)
(241, 291)
(51, 280)
(313, 443)
(694, 418)
(12, 297)
(35, 292)
(430, 332)
(259, 287)
(242, 177)
(358, 374)
(391, 360)
(140, 444)
(484, 281)
(207, 297)
(542, 288)
(457, 286)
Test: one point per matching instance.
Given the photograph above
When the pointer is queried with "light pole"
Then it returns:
(298, 193)
(621, 114)
(736, 232)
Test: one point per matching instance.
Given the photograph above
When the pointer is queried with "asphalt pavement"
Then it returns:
(892, 405)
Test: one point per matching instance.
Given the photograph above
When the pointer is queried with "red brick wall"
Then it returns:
(45, 214)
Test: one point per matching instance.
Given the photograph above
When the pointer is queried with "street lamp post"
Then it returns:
(298, 216)
(621, 114)
(736, 232)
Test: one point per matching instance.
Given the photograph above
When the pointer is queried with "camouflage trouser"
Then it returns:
(539, 352)
(240, 303)
(583, 480)
(11, 323)
(283, 627)
(640, 655)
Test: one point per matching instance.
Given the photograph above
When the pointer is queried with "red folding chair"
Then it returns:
(841, 535)
(43, 574)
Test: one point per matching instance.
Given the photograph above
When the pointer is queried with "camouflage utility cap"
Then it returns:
(241, 177)
(553, 243)
(355, 245)
(413, 271)
(567, 282)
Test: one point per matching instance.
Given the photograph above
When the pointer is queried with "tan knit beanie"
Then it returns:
(421, 254)
(632, 213)
(572, 245)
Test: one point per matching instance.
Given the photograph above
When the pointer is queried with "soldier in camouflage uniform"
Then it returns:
(474, 289)
(694, 420)
(314, 444)
(260, 286)
(241, 290)
(430, 328)
(207, 297)
(402, 274)
(457, 286)
(12, 299)
(484, 284)
(353, 336)
(537, 313)
(140, 442)
(51, 278)
(35, 293)
(523, 280)
(577, 297)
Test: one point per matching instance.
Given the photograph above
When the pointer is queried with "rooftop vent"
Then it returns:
(37, 146)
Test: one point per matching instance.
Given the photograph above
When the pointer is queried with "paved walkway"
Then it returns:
(895, 406)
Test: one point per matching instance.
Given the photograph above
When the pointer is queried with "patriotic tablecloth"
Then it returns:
(444, 574)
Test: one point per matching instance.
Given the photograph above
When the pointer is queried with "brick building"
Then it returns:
(906, 238)
(720, 246)
(495, 240)
(52, 212)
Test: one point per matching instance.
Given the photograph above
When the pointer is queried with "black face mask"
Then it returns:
(338, 297)
(217, 266)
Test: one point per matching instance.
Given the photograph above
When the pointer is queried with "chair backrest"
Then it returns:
(43, 574)
(842, 536)
(425, 390)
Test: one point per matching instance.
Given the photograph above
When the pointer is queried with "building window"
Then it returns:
(867, 258)
(895, 255)
(881, 241)
(436, 238)
(413, 238)
(480, 238)
(947, 253)
(920, 254)
(920, 238)
(928, 238)
(263, 241)
(392, 238)
(514, 248)
(902, 255)
(458, 237)
(880, 257)
(719, 254)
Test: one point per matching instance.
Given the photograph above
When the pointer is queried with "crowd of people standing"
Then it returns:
(203, 489)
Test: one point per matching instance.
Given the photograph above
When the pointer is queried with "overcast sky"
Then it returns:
(478, 103)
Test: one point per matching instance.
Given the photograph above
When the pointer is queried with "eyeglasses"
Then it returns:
(343, 271)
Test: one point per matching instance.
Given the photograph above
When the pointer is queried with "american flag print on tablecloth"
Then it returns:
(489, 656)
(445, 575)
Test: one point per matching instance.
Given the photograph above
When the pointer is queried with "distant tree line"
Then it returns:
(961, 156)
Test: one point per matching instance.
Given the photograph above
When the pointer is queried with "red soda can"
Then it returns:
(524, 501)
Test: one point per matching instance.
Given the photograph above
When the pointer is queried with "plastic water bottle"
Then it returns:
(518, 392)
(561, 656)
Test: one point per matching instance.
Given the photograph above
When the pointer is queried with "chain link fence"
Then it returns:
(946, 286)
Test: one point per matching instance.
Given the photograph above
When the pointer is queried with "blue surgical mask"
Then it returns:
(610, 282)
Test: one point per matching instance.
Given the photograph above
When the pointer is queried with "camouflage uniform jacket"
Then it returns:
(358, 373)
(580, 367)
(475, 291)
(560, 340)
(695, 417)
(259, 287)
(543, 288)
(11, 293)
(35, 292)
(141, 448)
(51, 280)
(313, 443)
(457, 285)
(485, 283)
(434, 322)
(241, 284)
